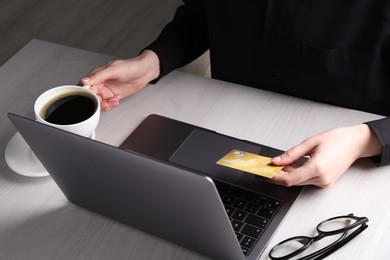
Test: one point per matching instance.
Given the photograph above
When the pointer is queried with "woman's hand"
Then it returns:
(121, 78)
(330, 154)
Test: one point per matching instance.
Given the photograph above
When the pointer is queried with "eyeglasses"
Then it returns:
(340, 225)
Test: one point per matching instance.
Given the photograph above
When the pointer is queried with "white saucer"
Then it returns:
(21, 159)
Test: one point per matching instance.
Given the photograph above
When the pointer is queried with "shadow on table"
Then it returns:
(71, 232)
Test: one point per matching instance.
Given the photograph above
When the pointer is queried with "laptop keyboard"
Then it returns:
(250, 213)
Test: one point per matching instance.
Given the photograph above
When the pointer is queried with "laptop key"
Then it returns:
(256, 221)
(237, 225)
(260, 200)
(252, 208)
(245, 250)
(239, 215)
(252, 231)
(273, 204)
(239, 236)
(266, 212)
(247, 242)
(240, 203)
(229, 210)
(228, 200)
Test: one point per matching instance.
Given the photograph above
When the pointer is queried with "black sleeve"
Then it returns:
(381, 128)
(183, 39)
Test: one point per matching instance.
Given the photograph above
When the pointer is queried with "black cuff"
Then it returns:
(381, 128)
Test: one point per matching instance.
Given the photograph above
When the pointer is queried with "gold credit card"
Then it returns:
(250, 162)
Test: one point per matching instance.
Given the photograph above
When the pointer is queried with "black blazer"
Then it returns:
(332, 51)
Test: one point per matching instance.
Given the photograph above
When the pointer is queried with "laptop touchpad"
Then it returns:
(202, 149)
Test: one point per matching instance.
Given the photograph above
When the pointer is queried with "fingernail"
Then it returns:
(114, 103)
(277, 159)
(86, 79)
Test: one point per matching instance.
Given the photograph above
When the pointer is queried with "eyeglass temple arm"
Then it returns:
(341, 243)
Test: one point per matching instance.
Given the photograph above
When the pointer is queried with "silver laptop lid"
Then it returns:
(168, 201)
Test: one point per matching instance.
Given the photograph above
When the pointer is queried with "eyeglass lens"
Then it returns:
(290, 246)
(336, 224)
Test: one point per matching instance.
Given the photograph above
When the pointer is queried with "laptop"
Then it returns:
(164, 180)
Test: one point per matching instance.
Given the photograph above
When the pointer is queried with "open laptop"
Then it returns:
(164, 180)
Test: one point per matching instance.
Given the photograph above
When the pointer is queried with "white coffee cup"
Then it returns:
(52, 97)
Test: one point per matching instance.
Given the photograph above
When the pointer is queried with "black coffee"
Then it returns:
(69, 110)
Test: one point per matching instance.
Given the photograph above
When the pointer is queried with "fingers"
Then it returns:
(99, 75)
(293, 174)
(290, 176)
(312, 172)
(295, 153)
(289, 179)
(107, 105)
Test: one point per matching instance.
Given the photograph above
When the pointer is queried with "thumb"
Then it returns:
(293, 154)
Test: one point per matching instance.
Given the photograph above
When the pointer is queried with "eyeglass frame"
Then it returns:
(341, 241)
